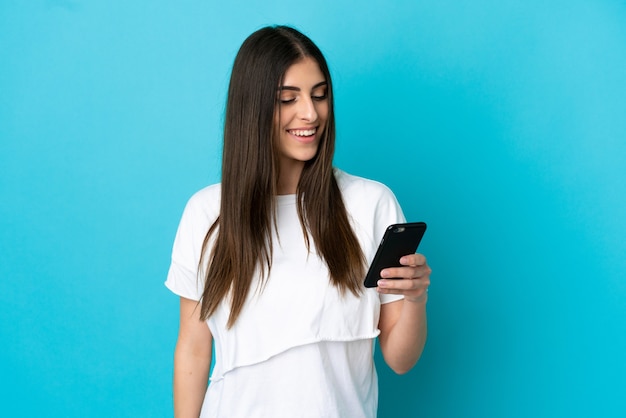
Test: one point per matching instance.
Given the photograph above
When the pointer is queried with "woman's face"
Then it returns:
(302, 113)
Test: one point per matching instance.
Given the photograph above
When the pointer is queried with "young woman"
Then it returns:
(269, 264)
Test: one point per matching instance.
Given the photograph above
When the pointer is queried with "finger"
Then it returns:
(410, 272)
(403, 285)
(413, 260)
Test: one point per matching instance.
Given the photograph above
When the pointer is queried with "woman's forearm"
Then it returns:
(192, 361)
(191, 371)
(404, 341)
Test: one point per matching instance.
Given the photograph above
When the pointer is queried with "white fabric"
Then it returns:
(299, 347)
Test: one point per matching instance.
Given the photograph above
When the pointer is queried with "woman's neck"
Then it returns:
(287, 187)
(289, 177)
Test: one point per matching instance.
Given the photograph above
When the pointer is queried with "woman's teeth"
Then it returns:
(307, 132)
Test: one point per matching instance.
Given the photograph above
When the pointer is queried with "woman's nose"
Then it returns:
(307, 110)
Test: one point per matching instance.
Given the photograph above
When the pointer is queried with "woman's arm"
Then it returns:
(192, 361)
(402, 323)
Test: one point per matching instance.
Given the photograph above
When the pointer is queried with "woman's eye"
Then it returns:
(291, 99)
(286, 100)
(319, 96)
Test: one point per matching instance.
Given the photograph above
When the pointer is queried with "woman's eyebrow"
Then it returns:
(292, 88)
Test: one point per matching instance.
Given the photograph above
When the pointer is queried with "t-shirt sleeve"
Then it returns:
(388, 212)
(182, 278)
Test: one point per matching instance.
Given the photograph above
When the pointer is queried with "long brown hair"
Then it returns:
(243, 241)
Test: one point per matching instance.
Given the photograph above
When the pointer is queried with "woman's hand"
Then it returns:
(411, 280)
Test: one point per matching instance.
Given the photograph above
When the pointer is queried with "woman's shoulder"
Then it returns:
(211, 191)
(206, 200)
(372, 207)
(350, 185)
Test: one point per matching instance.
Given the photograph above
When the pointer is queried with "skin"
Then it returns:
(402, 323)
(192, 361)
(302, 114)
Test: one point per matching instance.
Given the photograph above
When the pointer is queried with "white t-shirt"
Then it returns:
(300, 348)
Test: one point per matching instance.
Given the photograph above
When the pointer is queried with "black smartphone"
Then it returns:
(399, 240)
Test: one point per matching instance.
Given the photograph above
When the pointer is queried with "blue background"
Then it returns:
(500, 123)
